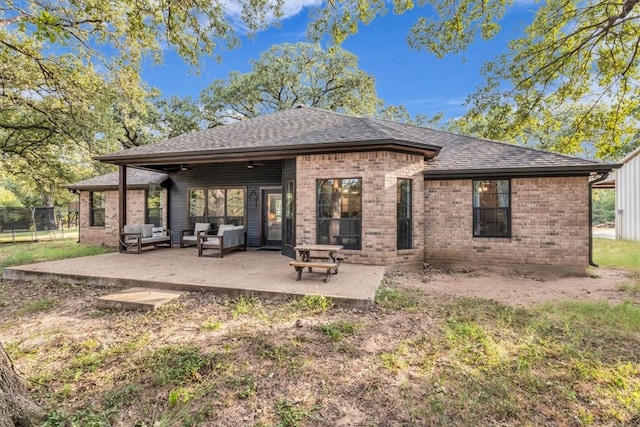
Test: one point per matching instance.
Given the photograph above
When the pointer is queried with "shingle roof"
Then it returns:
(297, 127)
(464, 153)
(304, 127)
(135, 178)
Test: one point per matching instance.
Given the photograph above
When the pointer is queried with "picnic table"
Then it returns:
(328, 254)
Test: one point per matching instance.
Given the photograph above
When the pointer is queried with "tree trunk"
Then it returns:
(16, 408)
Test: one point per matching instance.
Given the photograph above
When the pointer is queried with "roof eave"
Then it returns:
(107, 187)
(269, 153)
(548, 171)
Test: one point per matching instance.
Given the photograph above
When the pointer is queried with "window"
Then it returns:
(96, 209)
(217, 206)
(340, 212)
(491, 212)
(289, 204)
(404, 214)
(154, 207)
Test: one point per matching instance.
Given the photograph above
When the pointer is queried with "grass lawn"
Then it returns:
(416, 359)
(27, 236)
(617, 254)
(28, 253)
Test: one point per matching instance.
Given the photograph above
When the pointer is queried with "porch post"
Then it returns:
(122, 205)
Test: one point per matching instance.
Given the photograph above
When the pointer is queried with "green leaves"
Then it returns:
(291, 74)
(570, 84)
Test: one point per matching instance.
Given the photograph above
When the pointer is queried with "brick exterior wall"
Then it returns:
(549, 224)
(379, 172)
(109, 234)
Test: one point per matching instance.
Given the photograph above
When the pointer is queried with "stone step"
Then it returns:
(144, 299)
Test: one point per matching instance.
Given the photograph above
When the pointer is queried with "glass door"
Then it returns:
(272, 217)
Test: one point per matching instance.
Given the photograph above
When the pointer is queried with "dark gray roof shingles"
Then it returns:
(311, 126)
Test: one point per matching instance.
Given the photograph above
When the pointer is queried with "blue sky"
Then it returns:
(421, 82)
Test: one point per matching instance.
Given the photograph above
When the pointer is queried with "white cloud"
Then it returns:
(290, 8)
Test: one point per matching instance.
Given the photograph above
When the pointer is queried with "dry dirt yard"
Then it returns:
(517, 288)
(210, 360)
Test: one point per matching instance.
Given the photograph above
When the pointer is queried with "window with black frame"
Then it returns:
(404, 230)
(217, 206)
(491, 208)
(154, 207)
(96, 209)
(340, 212)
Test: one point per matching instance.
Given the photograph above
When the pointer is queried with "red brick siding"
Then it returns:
(379, 172)
(549, 223)
(108, 235)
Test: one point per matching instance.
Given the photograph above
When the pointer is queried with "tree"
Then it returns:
(291, 74)
(604, 206)
(16, 409)
(176, 116)
(69, 71)
(572, 77)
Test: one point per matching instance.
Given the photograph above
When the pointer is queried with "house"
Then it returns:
(387, 192)
(627, 185)
(99, 201)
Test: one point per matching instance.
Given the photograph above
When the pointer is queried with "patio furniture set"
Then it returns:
(229, 237)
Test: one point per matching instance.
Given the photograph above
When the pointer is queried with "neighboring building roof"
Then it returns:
(136, 178)
(630, 155)
(306, 130)
(608, 183)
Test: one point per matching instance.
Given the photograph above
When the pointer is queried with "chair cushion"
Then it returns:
(211, 242)
(224, 227)
(238, 227)
(200, 226)
(157, 232)
(135, 228)
(147, 230)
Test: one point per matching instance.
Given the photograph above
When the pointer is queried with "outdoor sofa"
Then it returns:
(230, 237)
(137, 236)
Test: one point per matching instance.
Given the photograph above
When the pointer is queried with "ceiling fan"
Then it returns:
(252, 164)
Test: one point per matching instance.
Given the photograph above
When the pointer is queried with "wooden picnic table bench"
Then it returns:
(301, 265)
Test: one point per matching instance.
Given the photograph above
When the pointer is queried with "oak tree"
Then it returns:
(289, 74)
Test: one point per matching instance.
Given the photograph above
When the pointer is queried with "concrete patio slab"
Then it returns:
(251, 273)
(145, 299)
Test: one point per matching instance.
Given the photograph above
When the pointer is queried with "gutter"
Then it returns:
(265, 153)
(520, 172)
(600, 176)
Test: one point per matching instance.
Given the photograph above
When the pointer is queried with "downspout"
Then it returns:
(600, 176)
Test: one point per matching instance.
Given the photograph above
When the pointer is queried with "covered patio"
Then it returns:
(253, 273)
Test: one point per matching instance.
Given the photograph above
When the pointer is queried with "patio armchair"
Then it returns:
(230, 237)
(190, 237)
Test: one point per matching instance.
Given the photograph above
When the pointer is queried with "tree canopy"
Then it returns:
(290, 74)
